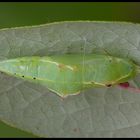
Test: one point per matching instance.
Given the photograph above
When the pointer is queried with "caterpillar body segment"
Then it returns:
(70, 73)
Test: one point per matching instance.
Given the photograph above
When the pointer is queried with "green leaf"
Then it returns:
(98, 112)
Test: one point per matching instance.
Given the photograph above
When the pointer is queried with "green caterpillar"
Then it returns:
(70, 73)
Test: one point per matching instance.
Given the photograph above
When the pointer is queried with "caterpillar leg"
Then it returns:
(126, 85)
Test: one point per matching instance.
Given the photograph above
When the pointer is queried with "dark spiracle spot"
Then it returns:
(92, 82)
(109, 85)
(34, 78)
(22, 75)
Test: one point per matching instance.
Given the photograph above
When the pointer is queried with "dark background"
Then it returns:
(13, 14)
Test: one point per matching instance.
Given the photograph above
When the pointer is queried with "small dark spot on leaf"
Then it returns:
(22, 75)
(34, 78)
(76, 129)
